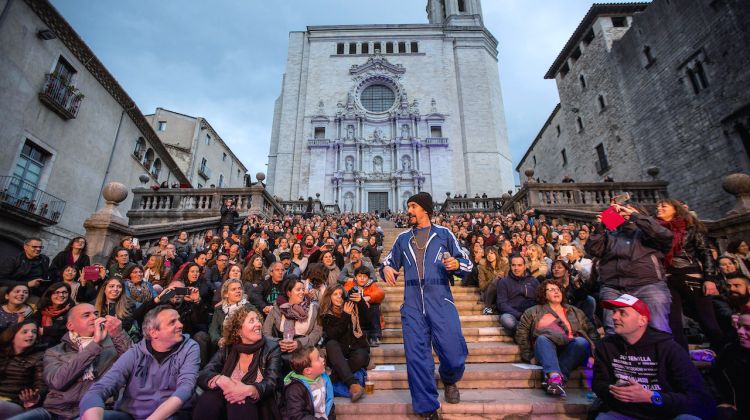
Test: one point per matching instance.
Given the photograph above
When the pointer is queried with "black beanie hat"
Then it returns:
(423, 199)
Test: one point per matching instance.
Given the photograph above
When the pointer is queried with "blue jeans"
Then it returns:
(561, 359)
(614, 415)
(655, 295)
(509, 323)
(35, 414)
(587, 305)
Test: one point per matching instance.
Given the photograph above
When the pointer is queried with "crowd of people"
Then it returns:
(272, 318)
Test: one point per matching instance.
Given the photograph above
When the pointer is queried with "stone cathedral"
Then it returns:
(371, 114)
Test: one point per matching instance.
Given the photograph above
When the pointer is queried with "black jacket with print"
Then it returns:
(658, 363)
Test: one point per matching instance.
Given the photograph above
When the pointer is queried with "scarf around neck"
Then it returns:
(233, 357)
(678, 226)
(50, 313)
(82, 343)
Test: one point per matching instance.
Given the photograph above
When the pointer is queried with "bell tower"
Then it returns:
(455, 12)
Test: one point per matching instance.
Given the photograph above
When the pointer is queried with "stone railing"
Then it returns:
(331, 209)
(462, 205)
(297, 207)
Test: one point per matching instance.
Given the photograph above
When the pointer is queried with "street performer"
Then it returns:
(429, 254)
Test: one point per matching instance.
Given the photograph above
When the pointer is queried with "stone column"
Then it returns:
(106, 227)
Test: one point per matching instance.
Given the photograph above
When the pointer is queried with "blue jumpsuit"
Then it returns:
(428, 316)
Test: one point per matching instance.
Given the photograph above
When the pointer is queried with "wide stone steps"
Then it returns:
(389, 354)
(476, 376)
(471, 334)
(389, 308)
(475, 404)
(393, 320)
(456, 291)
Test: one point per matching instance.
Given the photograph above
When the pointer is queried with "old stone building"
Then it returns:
(652, 90)
(370, 114)
(67, 129)
(199, 151)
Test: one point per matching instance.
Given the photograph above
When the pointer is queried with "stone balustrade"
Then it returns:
(463, 205)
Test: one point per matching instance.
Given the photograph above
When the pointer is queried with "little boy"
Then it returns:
(307, 388)
(373, 296)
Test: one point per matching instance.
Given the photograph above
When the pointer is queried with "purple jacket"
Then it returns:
(147, 383)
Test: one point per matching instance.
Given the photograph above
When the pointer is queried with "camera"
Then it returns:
(351, 291)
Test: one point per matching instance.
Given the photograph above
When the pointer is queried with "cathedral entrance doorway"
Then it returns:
(377, 201)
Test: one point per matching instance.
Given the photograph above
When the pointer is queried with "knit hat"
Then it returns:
(422, 199)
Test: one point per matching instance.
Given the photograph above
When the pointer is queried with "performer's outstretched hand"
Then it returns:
(390, 275)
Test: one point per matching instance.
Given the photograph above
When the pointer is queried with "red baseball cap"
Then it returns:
(628, 301)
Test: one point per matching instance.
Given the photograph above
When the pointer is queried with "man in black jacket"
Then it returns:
(30, 267)
(643, 372)
(228, 214)
(630, 261)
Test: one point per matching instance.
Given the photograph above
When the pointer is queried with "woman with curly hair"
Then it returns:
(112, 301)
(232, 298)
(240, 380)
(137, 288)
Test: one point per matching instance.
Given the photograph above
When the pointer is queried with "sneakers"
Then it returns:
(452, 395)
(555, 385)
(435, 415)
(487, 311)
(357, 391)
(373, 341)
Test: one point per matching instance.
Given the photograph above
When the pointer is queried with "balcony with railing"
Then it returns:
(317, 142)
(436, 141)
(60, 96)
(205, 172)
(25, 202)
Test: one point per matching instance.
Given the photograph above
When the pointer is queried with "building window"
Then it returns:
(340, 48)
(576, 54)
(200, 185)
(238, 174)
(602, 165)
(148, 159)
(744, 134)
(401, 47)
(461, 6)
(140, 148)
(534, 158)
(414, 47)
(377, 98)
(588, 37)
(582, 79)
(620, 22)
(162, 126)
(64, 70)
(223, 157)
(376, 48)
(696, 74)
(649, 59)
(602, 104)
(564, 157)
(436, 131)
(557, 128)
(156, 168)
(221, 180)
(208, 139)
(365, 48)
(320, 132)
(564, 70)
(352, 48)
(28, 170)
(579, 124)
(389, 47)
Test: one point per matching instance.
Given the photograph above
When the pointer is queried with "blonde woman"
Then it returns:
(535, 260)
(232, 298)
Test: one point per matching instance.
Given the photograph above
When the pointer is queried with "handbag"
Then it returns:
(555, 332)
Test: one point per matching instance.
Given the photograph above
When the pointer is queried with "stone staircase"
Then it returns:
(491, 388)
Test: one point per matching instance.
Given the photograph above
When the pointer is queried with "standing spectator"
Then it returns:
(228, 214)
(74, 254)
(241, 379)
(515, 294)
(556, 335)
(30, 267)
(52, 313)
(21, 368)
(729, 373)
(158, 374)
(641, 372)
(14, 307)
(630, 262)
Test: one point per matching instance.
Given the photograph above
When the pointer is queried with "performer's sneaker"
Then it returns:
(487, 311)
(374, 342)
(452, 396)
(435, 415)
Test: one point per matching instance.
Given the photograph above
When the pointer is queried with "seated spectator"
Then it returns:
(316, 280)
(355, 261)
(739, 292)
(330, 246)
(515, 294)
(298, 257)
(30, 267)
(253, 279)
(22, 387)
(536, 261)
(156, 273)
(137, 289)
(191, 277)
(14, 307)
(729, 373)
(111, 301)
(272, 286)
(283, 247)
(580, 266)
(232, 298)
(556, 335)
(172, 262)
(363, 287)
(215, 275)
(309, 246)
(477, 257)
(159, 248)
(235, 255)
(329, 262)
(740, 251)
(630, 259)
(74, 255)
(120, 265)
(241, 379)
(307, 379)
(134, 249)
(52, 313)
(294, 323)
(490, 272)
(158, 374)
(81, 290)
(347, 350)
(372, 250)
(290, 268)
(182, 245)
(641, 372)
(89, 348)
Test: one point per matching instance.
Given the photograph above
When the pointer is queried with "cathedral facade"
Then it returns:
(371, 114)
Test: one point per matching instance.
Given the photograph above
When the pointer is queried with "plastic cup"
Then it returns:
(369, 387)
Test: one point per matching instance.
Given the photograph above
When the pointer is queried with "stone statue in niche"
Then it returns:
(321, 108)
(349, 131)
(349, 164)
(377, 165)
(377, 134)
(433, 106)
(348, 202)
(406, 163)
(405, 131)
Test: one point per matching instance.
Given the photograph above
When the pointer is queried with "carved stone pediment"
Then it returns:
(377, 63)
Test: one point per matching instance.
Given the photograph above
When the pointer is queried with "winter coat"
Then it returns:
(17, 270)
(341, 329)
(298, 401)
(217, 322)
(631, 255)
(487, 274)
(516, 294)
(228, 215)
(147, 382)
(695, 253)
(371, 289)
(729, 378)
(64, 366)
(657, 362)
(526, 333)
(273, 329)
(61, 260)
(22, 371)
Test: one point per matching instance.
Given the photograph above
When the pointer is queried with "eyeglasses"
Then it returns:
(61, 293)
(552, 289)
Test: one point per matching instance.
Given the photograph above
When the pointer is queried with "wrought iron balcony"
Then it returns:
(205, 172)
(24, 201)
(436, 141)
(60, 96)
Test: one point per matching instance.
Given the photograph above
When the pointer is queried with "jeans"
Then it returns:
(655, 295)
(509, 322)
(614, 415)
(36, 414)
(561, 359)
(588, 306)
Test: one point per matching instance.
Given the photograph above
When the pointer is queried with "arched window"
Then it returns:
(221, 180)
(149, 158)
(140, 147)
(156, 168)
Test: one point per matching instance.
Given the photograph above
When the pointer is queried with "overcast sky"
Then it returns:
(224, 59)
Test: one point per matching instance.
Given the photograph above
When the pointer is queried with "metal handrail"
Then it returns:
(27, 198)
